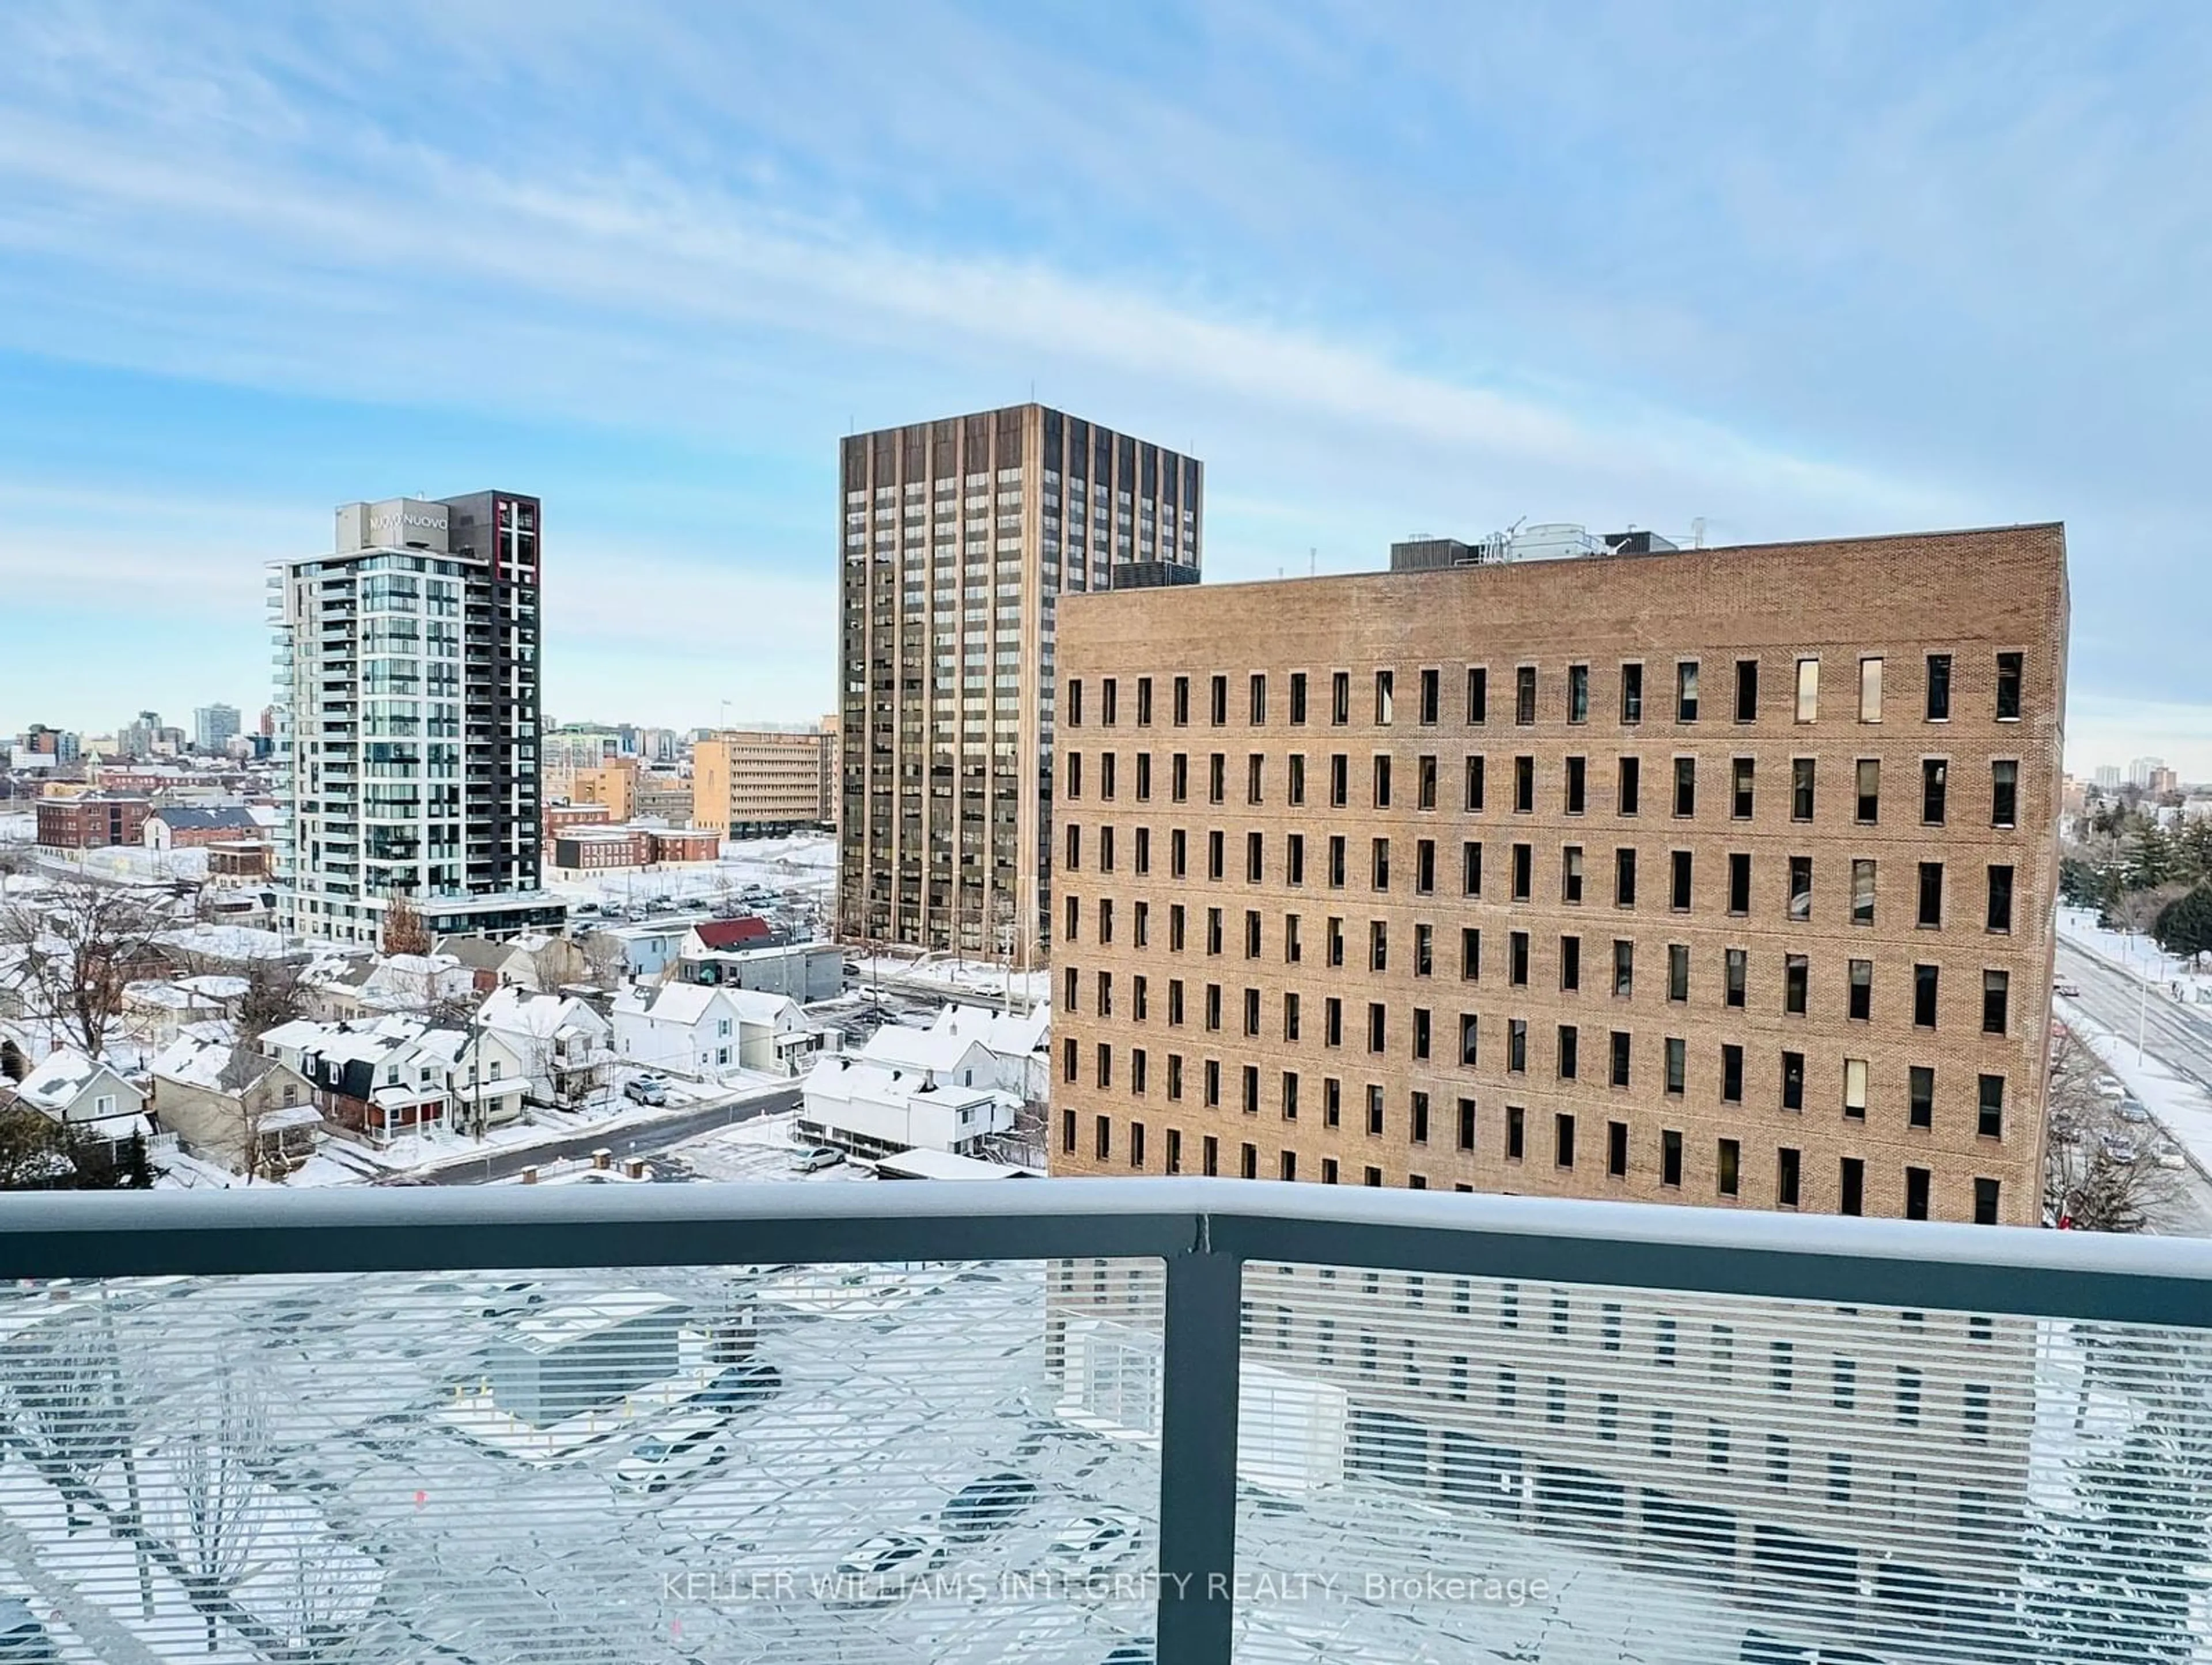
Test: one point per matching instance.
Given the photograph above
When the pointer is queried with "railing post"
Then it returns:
(1198, 1456)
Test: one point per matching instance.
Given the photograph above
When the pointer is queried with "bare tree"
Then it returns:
(2099, 1175)
(273, 997)
(2138, 910)
(80, 944)
(209, 1511)
(404, 931)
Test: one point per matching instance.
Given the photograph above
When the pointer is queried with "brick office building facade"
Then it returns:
(1721, 876)
(91, 822)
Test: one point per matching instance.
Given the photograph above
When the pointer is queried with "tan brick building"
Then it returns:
(747, 781)
(1722, 876)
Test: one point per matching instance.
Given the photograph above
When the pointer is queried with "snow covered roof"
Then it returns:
(1009, 1035)
(228, 818)
(937, 1048)
(550, 1328)
(58, 1081)
(371, 1042)
(224, 942)
(215, 987)
(213, 1063)
(481, 952)
(541, 1017)
(868, 1080)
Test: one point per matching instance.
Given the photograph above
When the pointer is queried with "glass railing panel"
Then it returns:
(866, 1463)
(1444, 1468)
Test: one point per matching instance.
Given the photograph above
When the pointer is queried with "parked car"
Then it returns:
(1094, 1542)
(681, 1450)
(21, 1636)
(878, 1567)
(646, 1089)
(504, 1300)
(741, 1388)
(2119, 1149)
(2108, 1087)
(983, 1507)
(2070, 991)
(2168, 1155)
(2131, 1109)
(814, 1160)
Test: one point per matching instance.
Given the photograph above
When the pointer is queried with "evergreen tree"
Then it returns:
(2151, 860)
(2195, 850)
(2184, 926)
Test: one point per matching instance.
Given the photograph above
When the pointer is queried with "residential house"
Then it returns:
(807, 971)
(88, 1098)
(399, 1073)
(232, 1106)
(154, 1012)
(713, 1033)
(567, 1048)
(721, 935)
(873, 1109)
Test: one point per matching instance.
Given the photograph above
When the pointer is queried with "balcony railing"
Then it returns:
(1181, 1420)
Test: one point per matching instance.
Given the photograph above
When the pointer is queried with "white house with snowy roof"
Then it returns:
(397, 1074)
(567, 1048)
(973, 1046)
(88, 1098)
(874, 1108)
(711, 1032)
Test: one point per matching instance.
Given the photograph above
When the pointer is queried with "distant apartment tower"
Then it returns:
(747, 781)
(960, 536)
(2142, 770)
(1719, 876)
(213, 727)
(407, 716)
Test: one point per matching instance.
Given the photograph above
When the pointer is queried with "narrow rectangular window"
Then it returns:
(1996, 997)
(1521, 866)
(1985, 1201)
(1808, 690)
(1850, 1179)
(1624, 799)
(1386, 703)
(1870, 791)
(1916, 1196)
(1678, 972)
(1620, 1057)
(1255, 768)
(1430, 683)
(1862, 892)
(1571, 874)
(1728, 1163)
(1217, 701)
(2008, 675)
(1467, 1124)
(1470, 868)
(1785, 1177)
(1731, 1073)
(1469, 1024)
(1473, 795)
(1739, 882)
(1616, 1162)
(1569, 1051)
(1517, 959)
(1686, 787)
(1516, 1046)
(1861, 991)
(1624, 877)
(1736, 965)
(1578, 693)
(1144, 701)
(1870, 691)
(1931, 895)
(1339, 698)
(1379, 774)
(1677, 1066)
(1800, 789)
(2004, 793)
(1478, 694)
(1298, 697)
(1934, 774)
(1923, 996)
(1470, 953)
(1747, 690)
(1685, 691)
(1796, 973)
(1793, 1081)
(1424, 782)
(1939, 688)
(1679, 898)
(1623, 968)
(1670, 1174)
(1516, 1131)
(1259, 699)
(1920, 1097)
(1740, 774)
(1381, 864)
(1999, 917)
(1571, 964)
(1631, 694)
(1525, 786)
(1990, 1123)
(1855, 1089)
(1524, 695)
(1800, 887)
(1563, 1139)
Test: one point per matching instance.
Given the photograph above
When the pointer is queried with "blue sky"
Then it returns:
(1801, 270)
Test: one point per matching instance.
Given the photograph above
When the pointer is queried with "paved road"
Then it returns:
(646, 1137)
(2176, 1036)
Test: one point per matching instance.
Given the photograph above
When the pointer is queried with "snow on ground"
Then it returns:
(2181, 1106)
(987, 979)
(2134, 954)
(756, 1150)
(804, 864)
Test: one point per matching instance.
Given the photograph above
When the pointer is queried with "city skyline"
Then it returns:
(1671, 336)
